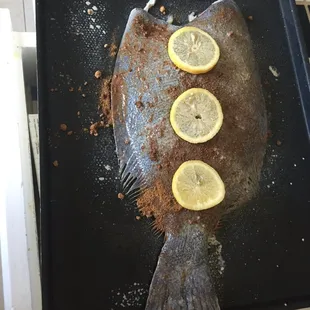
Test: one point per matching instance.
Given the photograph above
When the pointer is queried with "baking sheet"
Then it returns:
(95, 254)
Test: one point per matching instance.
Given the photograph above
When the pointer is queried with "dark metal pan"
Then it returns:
(94, 253)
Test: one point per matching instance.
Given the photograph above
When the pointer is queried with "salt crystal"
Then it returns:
(291, 183)
(274, 71)
(150, 4)
(101, 178)
(98, 26)
(170, 19)
(87, 3)
(191, 16)
(91, 27)
(302, 239)
(95, 8)
(107, 167)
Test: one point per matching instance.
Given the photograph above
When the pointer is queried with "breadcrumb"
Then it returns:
(93, 129)
(63, 127)
(120, 196)
(98, 74)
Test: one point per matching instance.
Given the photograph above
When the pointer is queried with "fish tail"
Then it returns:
(182, 278)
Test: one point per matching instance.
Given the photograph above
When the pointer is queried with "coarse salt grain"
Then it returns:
(191, 16)
(274, 71)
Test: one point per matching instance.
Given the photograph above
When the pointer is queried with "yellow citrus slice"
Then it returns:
(193, 50)
(197, 186)
(196, 115)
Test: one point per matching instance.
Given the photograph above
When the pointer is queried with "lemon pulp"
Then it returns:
(193, 50)
(197, 186)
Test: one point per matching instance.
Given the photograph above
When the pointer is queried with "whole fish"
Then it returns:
(144, 86)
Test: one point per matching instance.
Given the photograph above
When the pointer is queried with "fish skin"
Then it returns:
(145, 75)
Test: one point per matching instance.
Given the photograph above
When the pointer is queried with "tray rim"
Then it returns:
(299, 55)
(302, 76)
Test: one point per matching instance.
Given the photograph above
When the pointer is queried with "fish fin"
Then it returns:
(182, 278)
(132, 180)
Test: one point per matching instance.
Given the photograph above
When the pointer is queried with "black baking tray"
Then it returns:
(94, 253)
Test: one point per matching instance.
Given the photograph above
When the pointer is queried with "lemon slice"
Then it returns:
(197, 186)
(196, 115)
(193, 50)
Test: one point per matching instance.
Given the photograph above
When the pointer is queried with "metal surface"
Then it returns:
(95, 254)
